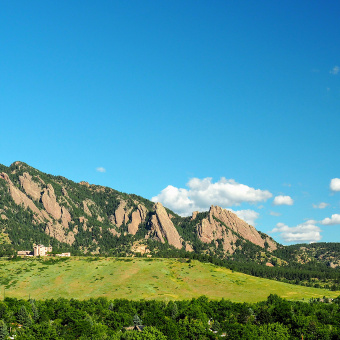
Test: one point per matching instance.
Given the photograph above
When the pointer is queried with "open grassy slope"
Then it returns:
(139, 278)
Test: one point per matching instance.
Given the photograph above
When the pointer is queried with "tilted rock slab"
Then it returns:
(31, 187)
(163, 228)
(137, 217)
(50, 202)
(121, 215)
(20, 198)
(211, 230)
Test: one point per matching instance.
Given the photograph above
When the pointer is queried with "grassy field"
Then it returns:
(139, 278)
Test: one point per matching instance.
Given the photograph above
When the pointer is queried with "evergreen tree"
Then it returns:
(136, 320)
(174, 310)
(23, 317)
(34, 310)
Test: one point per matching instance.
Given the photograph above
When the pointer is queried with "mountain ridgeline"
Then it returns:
(90, 219)
(39, 208)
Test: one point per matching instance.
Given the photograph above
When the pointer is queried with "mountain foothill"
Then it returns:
(88, 219)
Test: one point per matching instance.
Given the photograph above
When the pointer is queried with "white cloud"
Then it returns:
(283, 200)
(247, 215)
(202, 193)
(177, 200)
(335, 219)
(335, 184)
(101, 169)
(304, 232)
(321, 205)
(274, 213)
(335, 70)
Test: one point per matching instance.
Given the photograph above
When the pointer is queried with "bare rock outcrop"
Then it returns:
(86, 205)
(163, 228)
(210, 229)
(31, 187)
(19, 197)
(188, 247)
(65, 217)
(114, 232)
(64, 192)
(194, 215)
(58, 231)
(50, 202)
(121, 215)
(137, 217)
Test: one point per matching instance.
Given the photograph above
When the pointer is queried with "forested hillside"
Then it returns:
(88, 219)
(39, 208)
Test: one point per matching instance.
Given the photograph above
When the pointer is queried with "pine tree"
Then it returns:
(34, 310)
(174, 311)
(136, 320)
(23, 317)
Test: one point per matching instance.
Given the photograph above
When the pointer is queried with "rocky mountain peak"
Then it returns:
(163, 228)
(222, 224)
(80, 215)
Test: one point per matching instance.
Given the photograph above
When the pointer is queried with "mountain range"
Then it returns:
(83, 218)
(37, 207)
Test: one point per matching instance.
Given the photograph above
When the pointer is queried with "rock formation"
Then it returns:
(163, 228)
(19, 197)
(121, 216)
(50, 203)
(31, 187)
(137, 217)
(210, 229)
(77, 214)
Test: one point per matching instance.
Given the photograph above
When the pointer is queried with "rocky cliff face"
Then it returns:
(163, 229)
(138, 216)
(222, 224)
(91, 218)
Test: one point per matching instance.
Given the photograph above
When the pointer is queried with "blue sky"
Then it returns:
(191, 103)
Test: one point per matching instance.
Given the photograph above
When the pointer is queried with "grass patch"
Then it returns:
(85, 277)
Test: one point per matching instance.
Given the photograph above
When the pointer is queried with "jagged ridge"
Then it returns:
(96, 219)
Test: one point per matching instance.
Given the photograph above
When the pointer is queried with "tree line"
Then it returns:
(200, 318)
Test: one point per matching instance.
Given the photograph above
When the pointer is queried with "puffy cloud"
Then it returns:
(321, 205)
(304, 232)
(283, 200)
(335, 70)
(101, 169)
(202, 193)
(247, 215)
(335, 219)
(335, 184)
(177, 200)
(274, 213)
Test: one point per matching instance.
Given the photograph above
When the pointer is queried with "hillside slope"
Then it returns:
(39, 208)
(140, 278)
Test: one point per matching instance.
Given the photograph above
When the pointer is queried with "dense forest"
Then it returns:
(200, 318)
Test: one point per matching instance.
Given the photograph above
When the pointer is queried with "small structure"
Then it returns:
(138, 328)
(41, 250)
(25, 253)
(64, 254)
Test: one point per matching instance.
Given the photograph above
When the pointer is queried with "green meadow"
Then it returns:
(139, 278)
